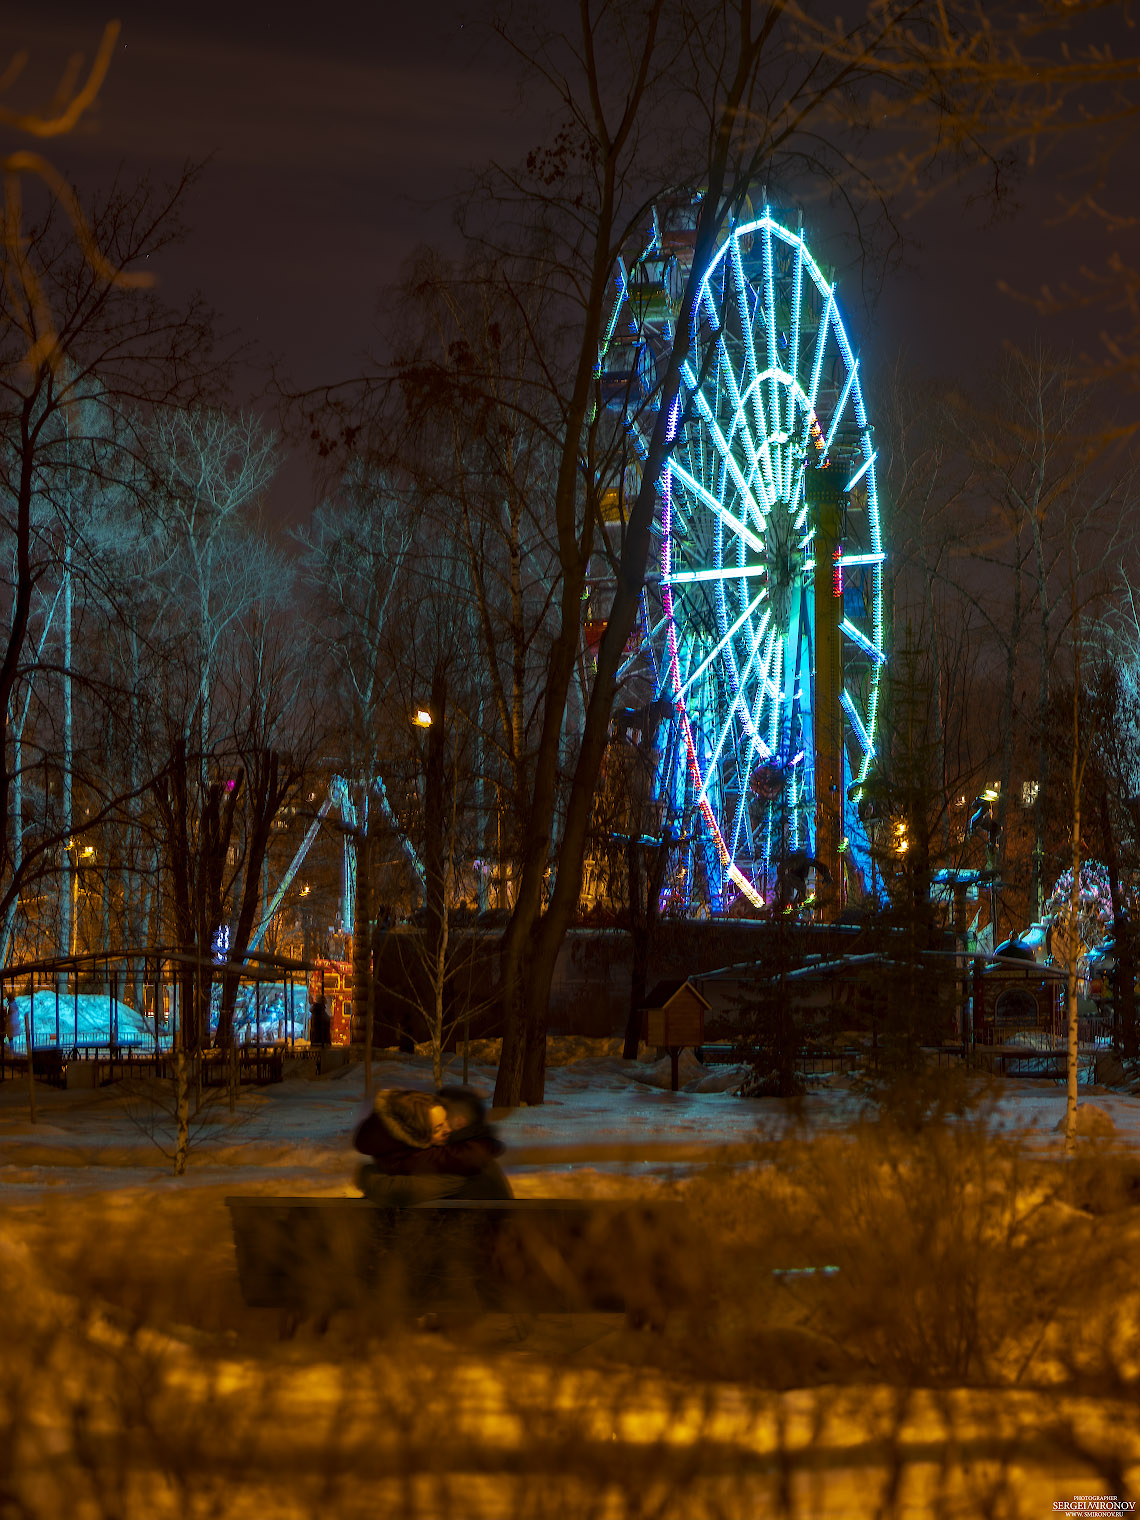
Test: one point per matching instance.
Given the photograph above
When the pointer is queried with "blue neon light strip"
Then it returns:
(720, 573)
(691, 483)
(857, 724)
(839, 409)
(861, 471)
(711, 656)
(715, 757)
(863, 642)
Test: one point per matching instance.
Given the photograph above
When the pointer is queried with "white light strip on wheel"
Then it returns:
(863, 641)
(862, 559)
(736, 627)
(773, 689)
(731, 716)
(721, 573)
(777, 376)
(762, 426)
(851, 373)
(857, 724)
(754, 739)
(741, 418)
(860, 472)
(624, 669)
(737, 877)
(623, 292)
(770, 321)
(794, 361)
(691, 483)
(820, 345)
(718, 439)
(762, 685)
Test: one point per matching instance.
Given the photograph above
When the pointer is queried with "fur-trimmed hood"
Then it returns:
(406, 1114)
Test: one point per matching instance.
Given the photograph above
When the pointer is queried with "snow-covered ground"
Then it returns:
(600, 1112)
(189, 1404)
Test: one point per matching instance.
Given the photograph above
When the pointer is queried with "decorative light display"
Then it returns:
(220, 944)
(772, 463)
(1094, 900)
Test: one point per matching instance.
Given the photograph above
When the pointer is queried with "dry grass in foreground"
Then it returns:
(973, 1349)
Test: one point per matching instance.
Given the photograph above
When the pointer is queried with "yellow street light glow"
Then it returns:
(422, 718)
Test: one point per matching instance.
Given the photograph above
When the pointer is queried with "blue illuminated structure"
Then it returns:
(762, 619)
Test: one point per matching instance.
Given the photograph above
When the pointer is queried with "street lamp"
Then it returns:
(421, 718)
(984, 819)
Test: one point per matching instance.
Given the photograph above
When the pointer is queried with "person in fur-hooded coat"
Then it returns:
(431, 1146)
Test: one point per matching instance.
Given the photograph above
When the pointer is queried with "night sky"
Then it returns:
(338, 133)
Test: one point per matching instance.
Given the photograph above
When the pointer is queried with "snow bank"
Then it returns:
(86, 1019)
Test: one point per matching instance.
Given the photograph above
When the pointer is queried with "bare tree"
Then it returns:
(106, 347)
(209, 469)
(766, 102)
(647, 102)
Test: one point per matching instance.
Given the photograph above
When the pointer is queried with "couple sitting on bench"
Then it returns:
(428, 1146)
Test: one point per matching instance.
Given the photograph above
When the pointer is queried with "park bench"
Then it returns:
(313, 1256)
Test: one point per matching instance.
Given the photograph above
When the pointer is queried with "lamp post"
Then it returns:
(985, 820)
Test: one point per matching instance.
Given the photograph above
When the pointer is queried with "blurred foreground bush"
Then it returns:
(885, 1323)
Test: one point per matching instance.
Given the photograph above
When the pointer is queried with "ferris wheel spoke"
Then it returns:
(752, 367)
(817, 366)
(861, 471)
(773, 687)
(693, 485)
(718, 648)
(847, 627)
(720, 573)
(794, 358)
(720, 443)
(865, 740)
(770, 320)
(838, 413)
(646, 649)
(715, 760)
(760, 459)
(862, 559)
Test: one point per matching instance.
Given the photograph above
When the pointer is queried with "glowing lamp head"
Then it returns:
(421, 718)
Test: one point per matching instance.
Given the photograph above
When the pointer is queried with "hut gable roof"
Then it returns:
(664, 993)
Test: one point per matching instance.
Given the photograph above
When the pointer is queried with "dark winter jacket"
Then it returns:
(397, 1135)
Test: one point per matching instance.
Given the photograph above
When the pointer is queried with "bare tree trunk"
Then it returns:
(182, 1111)
(1074, 906)
(439, 845)
(362, 945)
(66, 927)
(31, 1072)
(17, 844)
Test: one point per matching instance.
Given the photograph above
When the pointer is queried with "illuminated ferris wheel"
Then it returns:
(761, 621)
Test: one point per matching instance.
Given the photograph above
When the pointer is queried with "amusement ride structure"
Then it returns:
(761, 624)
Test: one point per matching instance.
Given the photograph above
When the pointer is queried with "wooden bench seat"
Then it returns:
(311, 1256)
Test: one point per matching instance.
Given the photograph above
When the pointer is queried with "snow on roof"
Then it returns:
(664, 992)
